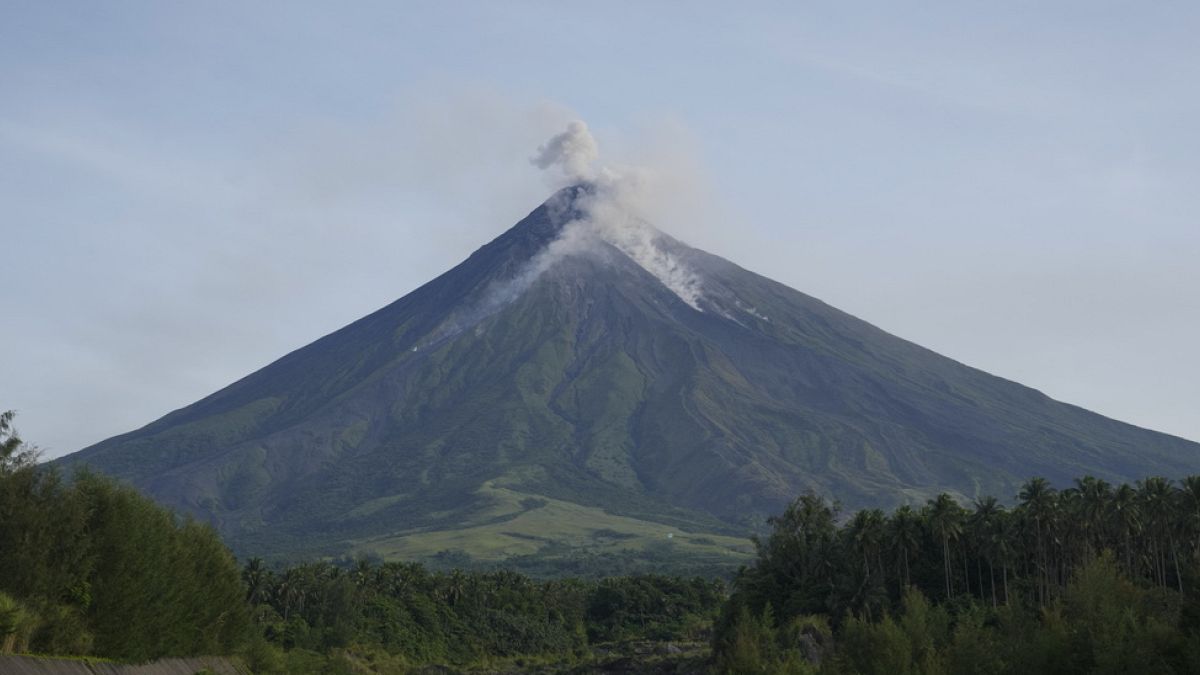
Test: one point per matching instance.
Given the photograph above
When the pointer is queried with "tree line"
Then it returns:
(1050, 566)
(311, 614)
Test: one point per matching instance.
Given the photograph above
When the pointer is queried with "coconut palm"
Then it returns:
(291, 591)
(945, 521)
(1158, 501)
(258, 580)
(1039, 500)
(984, 525)
(1189, 497)
(867, 530)
(1005, 543)
(1095, 497)
(905, 534)
(1126, 517)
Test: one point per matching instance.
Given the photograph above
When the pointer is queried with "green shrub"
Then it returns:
(17, 623)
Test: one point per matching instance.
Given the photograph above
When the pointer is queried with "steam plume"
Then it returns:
(611, 213)
(608, 215)
(571, 151)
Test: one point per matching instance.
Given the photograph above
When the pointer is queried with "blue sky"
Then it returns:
(190, 191)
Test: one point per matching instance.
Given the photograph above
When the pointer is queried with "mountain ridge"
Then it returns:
(596, 382)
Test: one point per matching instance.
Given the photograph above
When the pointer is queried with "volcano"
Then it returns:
(602, 385)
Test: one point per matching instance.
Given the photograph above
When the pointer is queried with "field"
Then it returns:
(518, 524)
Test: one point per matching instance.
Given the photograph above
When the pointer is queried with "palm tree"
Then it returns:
(1095, 498)
(290, 590)
(1127, 520)
(905, 532)
(866, 533)
(1069, 534)
(1004, 543)
(257, 579)
(1157, 498)
(1190, 498)
(945, 520)
(983, 526)
(1039, 501)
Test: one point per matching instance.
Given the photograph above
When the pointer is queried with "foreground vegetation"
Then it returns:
(93, 568)
(401, 613)
(1092, 579)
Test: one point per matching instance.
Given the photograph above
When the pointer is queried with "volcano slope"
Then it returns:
(519, 402)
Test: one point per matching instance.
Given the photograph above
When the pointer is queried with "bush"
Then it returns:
(109, 573)
(17, 623)
(63, 630)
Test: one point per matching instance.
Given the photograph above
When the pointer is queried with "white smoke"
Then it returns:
(611, 212)
(608, 212)
(572, 240)
(572, 152)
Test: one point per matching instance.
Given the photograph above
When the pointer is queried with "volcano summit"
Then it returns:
(585, 378)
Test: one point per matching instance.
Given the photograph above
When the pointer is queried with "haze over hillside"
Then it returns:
(587, 381)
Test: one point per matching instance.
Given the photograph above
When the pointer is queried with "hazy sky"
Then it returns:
(189, 191)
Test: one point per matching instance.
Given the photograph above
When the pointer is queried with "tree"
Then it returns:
(905, 533)
(797, 563)
(945, 521)
(1157, 498)
(1126, 517)
(1190, 498)
(1095, 498)
(257, 579)
(15, 454)
(867, 530)
(1039, 500)
(865, 538)
(985, 530)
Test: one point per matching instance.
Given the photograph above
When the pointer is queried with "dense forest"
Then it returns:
(1094, 578)
(323, 617)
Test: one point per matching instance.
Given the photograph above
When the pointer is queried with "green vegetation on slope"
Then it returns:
(516, 524)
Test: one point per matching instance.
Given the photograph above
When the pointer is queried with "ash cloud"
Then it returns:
(611, 213)
(572, 152)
